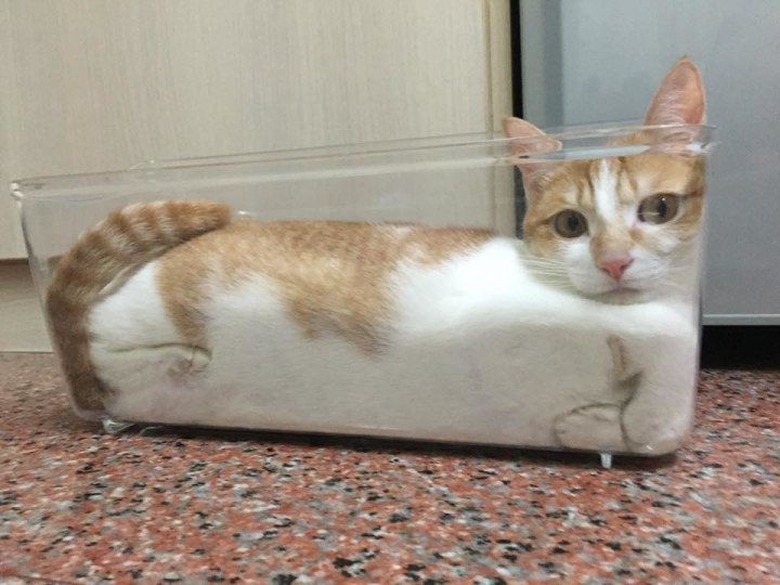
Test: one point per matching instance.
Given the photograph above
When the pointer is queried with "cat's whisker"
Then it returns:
(543, 261)
(535, 264)
(563, 275)
(543, 268)
(671, 284)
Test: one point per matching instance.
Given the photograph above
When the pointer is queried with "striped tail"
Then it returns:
(112, 249)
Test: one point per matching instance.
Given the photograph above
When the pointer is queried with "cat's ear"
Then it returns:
(529, 140)
(519, 128)
(680, 97)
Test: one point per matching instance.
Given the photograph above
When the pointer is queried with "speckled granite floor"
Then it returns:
(80, 506)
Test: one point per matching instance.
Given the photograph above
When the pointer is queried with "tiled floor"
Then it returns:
(77, 505)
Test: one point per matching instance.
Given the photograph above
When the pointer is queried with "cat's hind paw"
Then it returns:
(654, 433)
(595, 427)
(186, 360)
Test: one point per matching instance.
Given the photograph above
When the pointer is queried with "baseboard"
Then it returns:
(741, 347)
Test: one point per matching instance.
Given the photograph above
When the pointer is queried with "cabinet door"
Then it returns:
(96, 85)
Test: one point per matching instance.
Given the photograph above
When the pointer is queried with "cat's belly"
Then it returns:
(473, 354)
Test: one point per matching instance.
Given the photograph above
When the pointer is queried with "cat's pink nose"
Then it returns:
(616, 267)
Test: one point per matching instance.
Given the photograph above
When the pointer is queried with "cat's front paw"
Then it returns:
(596, 427)
(653, 433)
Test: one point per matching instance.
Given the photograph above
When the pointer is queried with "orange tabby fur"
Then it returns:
(570, 186)
(106, 255)
(331, 275)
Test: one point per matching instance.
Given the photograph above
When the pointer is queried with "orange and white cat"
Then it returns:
(582, 335)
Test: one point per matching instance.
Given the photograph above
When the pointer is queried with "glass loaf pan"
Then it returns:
(553, 370)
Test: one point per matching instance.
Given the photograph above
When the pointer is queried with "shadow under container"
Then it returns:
(543, 365)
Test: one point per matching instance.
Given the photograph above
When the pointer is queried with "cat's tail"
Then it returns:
(101, 257)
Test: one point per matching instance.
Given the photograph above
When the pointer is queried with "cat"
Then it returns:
(583, 335)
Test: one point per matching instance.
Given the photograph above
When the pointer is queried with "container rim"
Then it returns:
(563, 138)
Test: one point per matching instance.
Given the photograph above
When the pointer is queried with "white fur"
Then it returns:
(604, 189)
(479, 351)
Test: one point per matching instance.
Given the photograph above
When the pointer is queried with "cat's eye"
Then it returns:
(570, 223)
(659, 208)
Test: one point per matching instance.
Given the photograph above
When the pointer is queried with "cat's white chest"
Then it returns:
(487, 290)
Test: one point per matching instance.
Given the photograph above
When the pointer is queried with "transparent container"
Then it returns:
(574, 326)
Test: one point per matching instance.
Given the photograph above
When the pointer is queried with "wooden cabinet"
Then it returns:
(96, 85)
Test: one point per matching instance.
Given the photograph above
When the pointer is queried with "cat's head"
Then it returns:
(618, 229)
